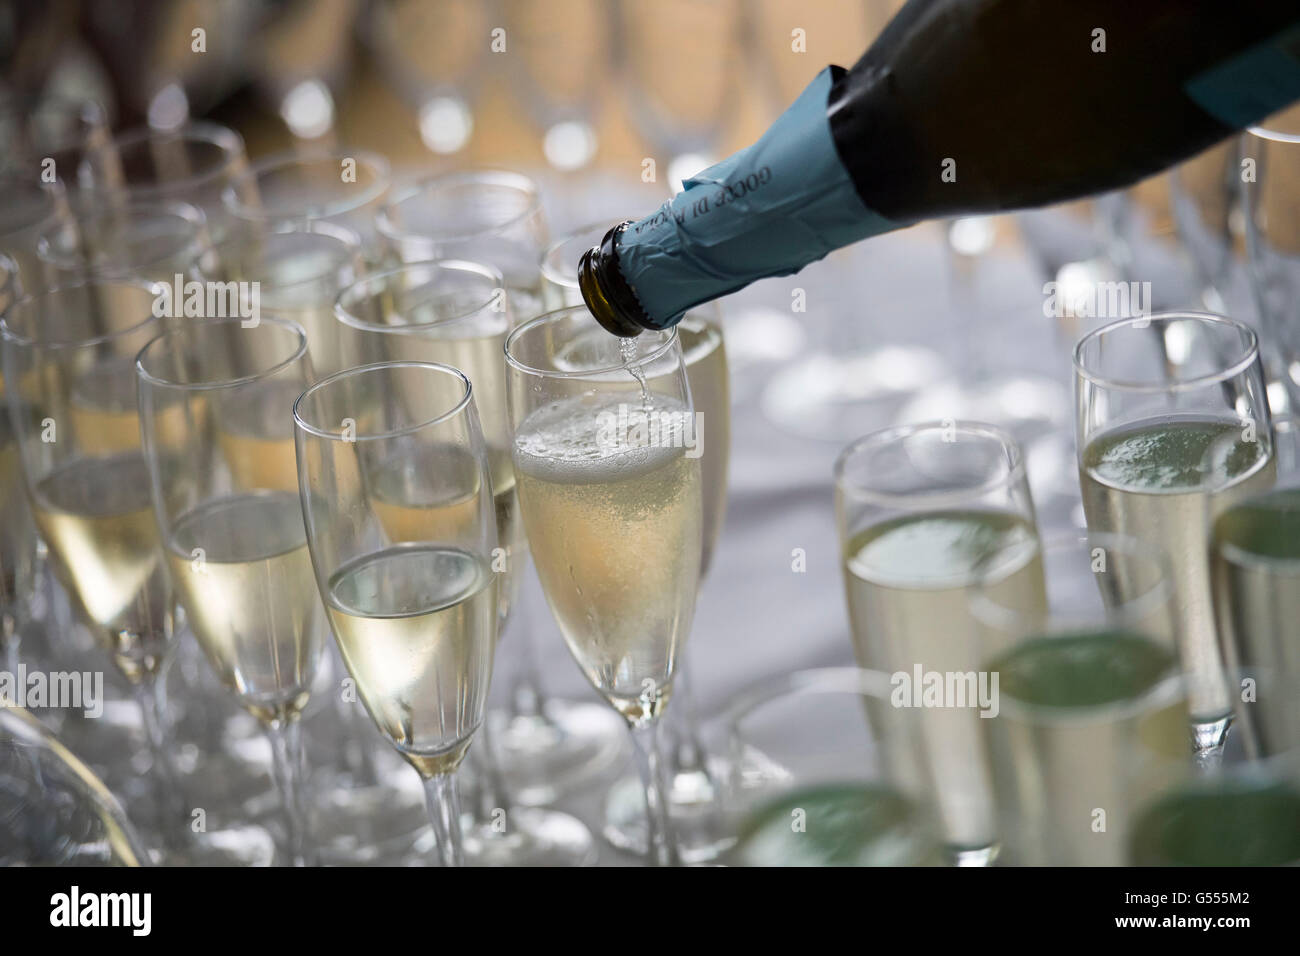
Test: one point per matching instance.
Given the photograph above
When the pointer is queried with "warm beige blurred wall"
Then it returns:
(674, 52)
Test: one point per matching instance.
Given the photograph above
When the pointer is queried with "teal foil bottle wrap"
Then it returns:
(767, 210)
(960, 107)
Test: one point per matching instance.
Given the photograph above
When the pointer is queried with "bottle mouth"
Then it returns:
(609, 298)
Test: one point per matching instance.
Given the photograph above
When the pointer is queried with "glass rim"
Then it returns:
(225, 139)
(255, 212)
(54, 196)
(910, 500)
(440, 367)
(196, 241)
(347, 238)
(361, 287)
(862, 681)
(556, 315)
(1273, 135)
(389, 229)
(990, 612)
(157, 381)
(1232, 370)
(550, 274)
(8, 333)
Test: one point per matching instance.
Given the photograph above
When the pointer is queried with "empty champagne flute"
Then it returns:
(1088, 686)
(300, 267)
(69, 368)
(33, 212)
(215, 404)
(194, 164)
(135, 239)
(606, 460)
(489, 216)
(693, 790)
(414, 613)
(456, 313)
(925, 512)
(1172, 428)
(346, 187)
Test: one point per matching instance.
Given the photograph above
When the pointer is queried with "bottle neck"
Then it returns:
(607, 294)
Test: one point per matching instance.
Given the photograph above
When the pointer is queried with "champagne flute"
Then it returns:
(1255, 570)
(136, 239)
(194, 164)
(692, 789)
(34, 128)
(1270, 201)
(69, 367)
(1089, 689)
(606, 460)
(1172, 428)
(489, 216)
(827, 742)
(33, 212)
(496, 218)
(215, 400)
(456, 313)
(300, 267)
(925, 512)
(415, 615)
(344, 186)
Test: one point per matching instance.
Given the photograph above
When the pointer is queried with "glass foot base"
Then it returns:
(693, 808)
(973, 856)
(542, 757)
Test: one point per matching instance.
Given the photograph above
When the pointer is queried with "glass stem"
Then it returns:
(151, 696)
(443, 801)
(491, 793)
(9, 630)
(285, 735)
(649, 764)
(688, 752)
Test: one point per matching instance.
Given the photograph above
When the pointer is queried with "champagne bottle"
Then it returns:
(960, 107)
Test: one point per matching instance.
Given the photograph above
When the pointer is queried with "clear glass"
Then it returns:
(33, 212)
(153, 241)
(1088, 684)
(693, 789)
(58, 812)
(69, 359)
(1172, 428)
(215, 402)
(1269, 182)
(397, 496)
(606, 462)
(493, 217)
(1255, 570)
(193, 164)
(457, 313)
(922, 510)
(345, 187)
(823, 772)
(300, 269)
(547, 745)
